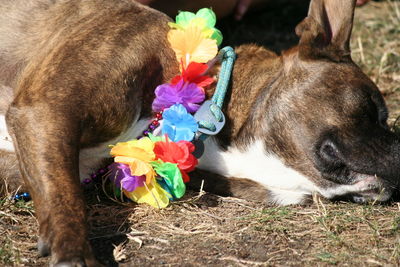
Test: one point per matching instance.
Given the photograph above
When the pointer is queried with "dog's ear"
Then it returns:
(326, 31)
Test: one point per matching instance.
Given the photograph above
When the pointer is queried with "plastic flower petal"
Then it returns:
(198, 22)
(141, 149)
(190, 45)
(172, 178)
(208, 15)
(152, 194)
(138, 167)
(136, 188)
(130, 183)
(194, 74)
(155, 138)
(184, 17)
(187, 94)
(178, 124)
(121, 176)
(217, 36)
(204, 18)
(137, 154)
(177, 152)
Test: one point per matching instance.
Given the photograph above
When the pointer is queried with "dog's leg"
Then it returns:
(224, 186)
(244, 188)
(47, 144)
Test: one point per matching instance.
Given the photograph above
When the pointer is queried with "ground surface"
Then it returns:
(213, 231)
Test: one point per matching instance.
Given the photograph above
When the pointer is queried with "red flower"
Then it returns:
(179, 153)
(194, 74)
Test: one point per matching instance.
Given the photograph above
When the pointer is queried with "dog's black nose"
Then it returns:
(329, 153)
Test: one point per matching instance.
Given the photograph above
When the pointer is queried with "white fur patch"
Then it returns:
(362, 187)
(286, 185)
(5, 139)
(341, 189)
(90, 159)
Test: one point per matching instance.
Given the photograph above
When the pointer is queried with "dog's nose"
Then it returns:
(328, 151)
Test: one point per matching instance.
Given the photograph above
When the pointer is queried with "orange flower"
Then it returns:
(190, 45)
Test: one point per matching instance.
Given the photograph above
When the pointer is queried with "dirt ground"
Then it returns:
(208, 230)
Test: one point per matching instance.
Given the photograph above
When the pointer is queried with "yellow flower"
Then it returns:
(137, 154)
(152, 194)
(190, 45)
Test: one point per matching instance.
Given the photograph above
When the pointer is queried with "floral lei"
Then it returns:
(154, 169)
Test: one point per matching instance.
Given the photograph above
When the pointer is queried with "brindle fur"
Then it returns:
(83, 71)
(86, 70)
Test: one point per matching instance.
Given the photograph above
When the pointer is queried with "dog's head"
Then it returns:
(318, 112)
(335, 119)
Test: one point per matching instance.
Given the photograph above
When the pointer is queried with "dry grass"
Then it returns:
(212, 230)
(215, 231)
(375, 46)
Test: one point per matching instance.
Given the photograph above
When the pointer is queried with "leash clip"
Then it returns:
(210, 118)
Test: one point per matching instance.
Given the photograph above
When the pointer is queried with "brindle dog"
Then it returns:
(76, 76)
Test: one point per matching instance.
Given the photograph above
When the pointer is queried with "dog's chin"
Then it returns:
(358, 187)
(368, 188)
(372, 188)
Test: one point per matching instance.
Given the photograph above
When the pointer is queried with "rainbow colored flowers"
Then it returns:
(154, 169)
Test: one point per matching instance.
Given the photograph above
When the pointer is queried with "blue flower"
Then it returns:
(178, 124)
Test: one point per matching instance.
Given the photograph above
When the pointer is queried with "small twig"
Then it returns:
(136, 239)
(361, 48)
(381, 65)
(243, 262)
(213, 216)
(238, 202)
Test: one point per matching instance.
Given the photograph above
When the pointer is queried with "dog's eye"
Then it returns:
(376, 112)
(382, 116)
(380, 109)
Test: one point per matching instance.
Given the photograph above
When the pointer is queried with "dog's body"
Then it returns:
(76, 76)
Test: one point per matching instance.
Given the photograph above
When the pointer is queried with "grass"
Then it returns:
(209, 230)
(376, 49)
(8, 255)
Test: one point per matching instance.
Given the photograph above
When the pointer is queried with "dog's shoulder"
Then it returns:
(44, 28)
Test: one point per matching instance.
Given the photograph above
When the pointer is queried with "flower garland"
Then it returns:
(154, 169)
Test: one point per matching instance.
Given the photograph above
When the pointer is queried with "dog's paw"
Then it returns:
(72, 263)
(78, 262)
(68, 256)
(43, 248)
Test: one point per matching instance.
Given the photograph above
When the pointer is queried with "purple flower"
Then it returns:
(178, 124)
(187, 94)
(121, 176)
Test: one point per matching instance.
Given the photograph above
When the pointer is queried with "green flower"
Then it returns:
(172, 178)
